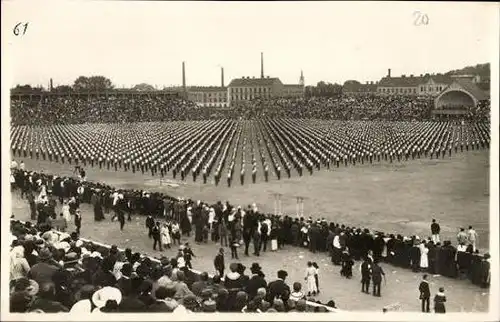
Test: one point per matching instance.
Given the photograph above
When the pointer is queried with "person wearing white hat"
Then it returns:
(105, 294)
(81, 307)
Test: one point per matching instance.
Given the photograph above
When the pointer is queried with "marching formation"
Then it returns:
(262, 150)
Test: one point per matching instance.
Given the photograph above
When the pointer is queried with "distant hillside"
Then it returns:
(482, 70)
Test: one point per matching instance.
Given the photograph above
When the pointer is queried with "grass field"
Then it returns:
(395, 198)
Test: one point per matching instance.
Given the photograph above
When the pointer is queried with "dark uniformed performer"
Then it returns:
(266, 173)
(278, 172)
(242, 176)
(254, 174)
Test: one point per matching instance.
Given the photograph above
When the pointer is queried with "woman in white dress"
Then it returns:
(424, 259)
(211, 218)
(311, 280)
(165, 236)
(65, 212)
(43, 192)
(176, 234)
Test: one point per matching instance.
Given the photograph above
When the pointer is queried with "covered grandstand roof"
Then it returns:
(471, 88)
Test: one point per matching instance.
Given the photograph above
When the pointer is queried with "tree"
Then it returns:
(27, 89)
(323, 89)
(19, 87)
(143, 87)
(92, 83)
(63, 89)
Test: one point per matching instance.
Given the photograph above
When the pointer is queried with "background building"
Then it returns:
(353, 87)
(242, 89)
(247, 88)
(422, 85)
(208, 96)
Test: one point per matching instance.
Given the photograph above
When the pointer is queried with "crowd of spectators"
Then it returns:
(360, 107)
(90, 268)
(54, 272)
(104, 109)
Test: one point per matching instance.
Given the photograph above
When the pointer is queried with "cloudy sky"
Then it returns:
(135, 42)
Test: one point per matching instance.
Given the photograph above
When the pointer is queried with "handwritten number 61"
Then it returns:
(20, 29)
(420, 19)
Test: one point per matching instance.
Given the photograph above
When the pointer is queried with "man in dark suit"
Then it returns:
(219, 262)
(377, 273)
(425, 294)
(126, 271)
(156, 236)
(365, 276)
(45, 300)
(150, 223)
(130, 289)
(164, 301)
(278, 288)
(256, 281)
(435, 230)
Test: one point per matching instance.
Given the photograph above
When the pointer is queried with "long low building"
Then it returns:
(422, 85)
(208, 96)
(250, 88)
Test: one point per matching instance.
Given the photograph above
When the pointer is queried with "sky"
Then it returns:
(146, 42)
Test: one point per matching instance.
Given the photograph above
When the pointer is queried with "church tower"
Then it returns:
(301, 81)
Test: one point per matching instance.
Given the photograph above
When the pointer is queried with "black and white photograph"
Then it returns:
(228, 161)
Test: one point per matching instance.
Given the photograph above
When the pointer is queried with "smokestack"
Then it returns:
(51, 85)
(222, 76)
(389, 73)
(261, 65)
(183, 77)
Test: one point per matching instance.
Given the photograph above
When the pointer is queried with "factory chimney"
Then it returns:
(261, 65)
(183, 77)
(389, 73)
(222, 76)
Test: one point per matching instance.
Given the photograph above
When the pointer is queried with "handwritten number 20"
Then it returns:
(420, 19)
(20, 29)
